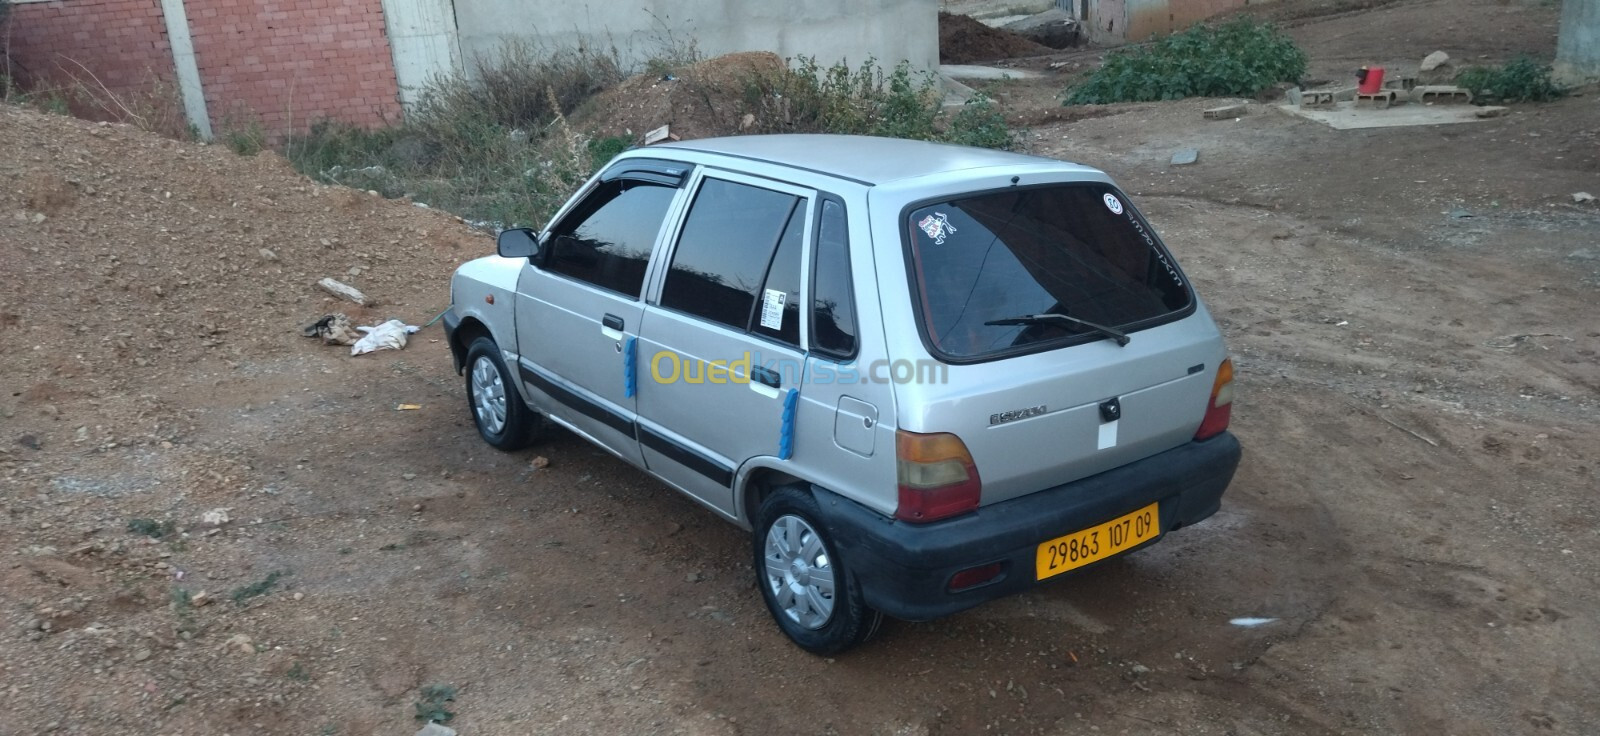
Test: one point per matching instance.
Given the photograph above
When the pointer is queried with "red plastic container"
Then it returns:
(1369, 80)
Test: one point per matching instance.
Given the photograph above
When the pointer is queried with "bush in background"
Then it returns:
(1241, 56)
(805, 98)
(497, 148)
(1520, 80)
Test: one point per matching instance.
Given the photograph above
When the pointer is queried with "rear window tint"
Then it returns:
(1077, 250)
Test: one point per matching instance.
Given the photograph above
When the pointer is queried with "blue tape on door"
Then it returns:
(786, 432)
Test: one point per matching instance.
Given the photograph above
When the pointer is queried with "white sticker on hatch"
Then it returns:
(772, 303)
(1108, 431)
(937, 226)
(1113, 204)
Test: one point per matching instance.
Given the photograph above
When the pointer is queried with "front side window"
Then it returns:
(607, 239)
(723, 255)
(1077, 250)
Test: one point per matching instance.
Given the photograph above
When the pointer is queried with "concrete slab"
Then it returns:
(1346, 116)
(969, 71)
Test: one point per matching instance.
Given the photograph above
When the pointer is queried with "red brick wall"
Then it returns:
(290, 63)
(123, 43)
(281, 63)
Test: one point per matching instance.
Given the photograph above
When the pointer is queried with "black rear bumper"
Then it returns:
(905, 569)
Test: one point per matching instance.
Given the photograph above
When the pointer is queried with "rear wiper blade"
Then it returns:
(1033, 319)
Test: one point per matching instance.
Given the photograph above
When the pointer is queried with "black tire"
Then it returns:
(851, 622)
(520, 423)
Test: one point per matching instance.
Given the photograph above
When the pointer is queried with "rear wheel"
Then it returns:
(504, 420)
(810, 592)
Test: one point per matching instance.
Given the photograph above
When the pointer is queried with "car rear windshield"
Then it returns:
(1078, 250)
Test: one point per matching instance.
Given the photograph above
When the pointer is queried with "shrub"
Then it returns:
(804, 98)
(1241, 56)
(979, 123)
(1520, 80)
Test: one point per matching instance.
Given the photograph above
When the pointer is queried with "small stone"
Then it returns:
(540, 462)
(299, 596)
(1139, 669)
(200, 599)
(746, 122)
(693, 577)
(416, 507)
(141, 655)
(435, 729)
(343, 291)
(241, 643)
(1185, 157)
(1434, 61)
(409, 476)
(267, 255)
(1581, 197)
(38, 217)
(1227, 111)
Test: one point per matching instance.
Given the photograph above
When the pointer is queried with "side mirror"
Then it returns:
(517, 243)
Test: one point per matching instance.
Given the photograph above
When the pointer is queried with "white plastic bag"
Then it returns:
(390, 335)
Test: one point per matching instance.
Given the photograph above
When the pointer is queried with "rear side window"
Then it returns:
(1078, 250)
(833, 305)
(722, 258)
(607, 239)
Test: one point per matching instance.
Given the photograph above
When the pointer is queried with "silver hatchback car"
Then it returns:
(924, 376)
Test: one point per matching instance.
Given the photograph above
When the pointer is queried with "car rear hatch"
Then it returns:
(1064, 339)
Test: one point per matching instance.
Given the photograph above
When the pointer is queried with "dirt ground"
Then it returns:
(1411, 312)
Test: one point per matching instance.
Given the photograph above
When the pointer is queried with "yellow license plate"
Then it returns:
(1099, 542)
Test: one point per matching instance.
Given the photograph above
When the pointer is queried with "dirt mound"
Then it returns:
(127, 254)
(699, 101)
(963, 40)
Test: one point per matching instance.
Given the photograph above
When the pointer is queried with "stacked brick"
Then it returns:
(122, 43)
(291, 63)
(282, 64)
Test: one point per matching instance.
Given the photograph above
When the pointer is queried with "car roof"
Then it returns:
(864, 159)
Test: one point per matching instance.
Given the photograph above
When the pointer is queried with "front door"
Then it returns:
(720, 355)
(579, 308)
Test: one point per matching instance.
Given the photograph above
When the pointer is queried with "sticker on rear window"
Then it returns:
(1113, 204)
(937, 226)
(772, 303)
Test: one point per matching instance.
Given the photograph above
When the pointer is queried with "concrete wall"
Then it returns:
(1115, 21)
(1578, 47)
(123, 43)
(831, 30)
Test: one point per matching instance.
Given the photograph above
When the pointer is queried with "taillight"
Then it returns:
(973, 577)
(1220, 410)
(937, 477)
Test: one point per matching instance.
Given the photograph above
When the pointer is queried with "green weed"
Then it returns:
(151, 528)
(1520, 80)
(1241, 56)
(261, 587)
(430, 704)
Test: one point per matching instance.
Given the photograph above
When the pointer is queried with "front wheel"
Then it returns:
(809, 591)
(503, 420)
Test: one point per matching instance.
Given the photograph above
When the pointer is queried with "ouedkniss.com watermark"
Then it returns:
(669, 367)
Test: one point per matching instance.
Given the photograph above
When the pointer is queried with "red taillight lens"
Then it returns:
(972, 577)
(1220, 410)
(937, 477)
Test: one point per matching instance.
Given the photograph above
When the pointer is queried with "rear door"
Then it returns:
(579, 309)
(720, 353)
(1048, 401)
